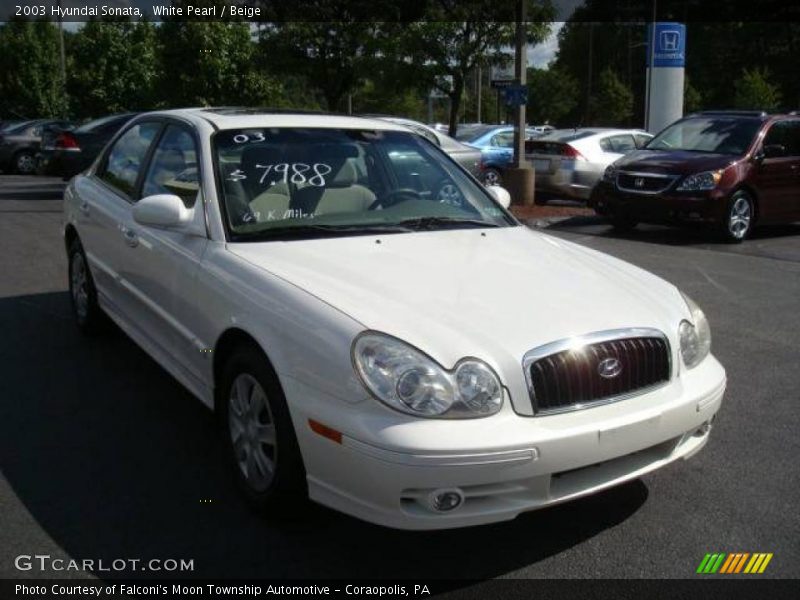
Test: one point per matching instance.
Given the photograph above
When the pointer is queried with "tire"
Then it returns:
(622, 222)
(258, 436)
(740, 215)
(89, 317)
(491, 176)
(24, 163)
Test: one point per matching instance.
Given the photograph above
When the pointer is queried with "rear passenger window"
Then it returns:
(621, 144)
(125, 159)
(173, 168)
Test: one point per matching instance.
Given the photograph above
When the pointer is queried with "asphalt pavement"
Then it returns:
(104, 455)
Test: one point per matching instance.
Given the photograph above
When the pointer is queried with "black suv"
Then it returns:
(732, 169)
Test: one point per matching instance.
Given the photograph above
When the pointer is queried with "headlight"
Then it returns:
(405, 379)
(695, 337)
(707, 180)
(610, 173)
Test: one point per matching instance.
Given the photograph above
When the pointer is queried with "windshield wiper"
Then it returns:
(320, 230)
(426, 223)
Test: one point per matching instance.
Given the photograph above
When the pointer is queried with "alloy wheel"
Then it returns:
(491, 177)
(740, 217)
(252, 430)
(25, 163)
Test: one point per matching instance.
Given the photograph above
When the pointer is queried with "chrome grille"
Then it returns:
(644, 183)
(596, 369)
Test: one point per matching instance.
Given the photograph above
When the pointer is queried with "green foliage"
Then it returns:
(30, 70)
(692, 98)
(207, 63)
(102, 79)
(552, 95)
(457, 36)
(612, 106)
(754, 90)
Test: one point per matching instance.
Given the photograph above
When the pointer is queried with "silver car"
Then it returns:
(467, 156)
(570, 162)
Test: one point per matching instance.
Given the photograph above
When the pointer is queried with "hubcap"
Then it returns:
(25, 163)
(740, 217)
(252, 431)
(80, 295)
(449, 194)
(491, 177)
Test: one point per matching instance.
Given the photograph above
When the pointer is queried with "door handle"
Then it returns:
(84, 207)
(130, 237)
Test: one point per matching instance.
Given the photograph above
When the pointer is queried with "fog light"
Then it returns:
(704, 428)
(445, 500)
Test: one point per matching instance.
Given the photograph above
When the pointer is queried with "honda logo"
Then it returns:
(639, 182)
(670, 40)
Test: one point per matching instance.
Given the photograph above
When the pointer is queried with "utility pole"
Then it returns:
(478, 120)
(63, 61)
(519, 179)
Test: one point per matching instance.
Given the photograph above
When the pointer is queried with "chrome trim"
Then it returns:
(671, 179)
(608, 335)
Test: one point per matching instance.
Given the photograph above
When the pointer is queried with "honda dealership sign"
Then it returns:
(666, 59)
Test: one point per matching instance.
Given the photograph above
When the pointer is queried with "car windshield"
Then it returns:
(717, 135)
(279, 182)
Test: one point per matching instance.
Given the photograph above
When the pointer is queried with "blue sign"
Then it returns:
(516, 95)
(670, 45)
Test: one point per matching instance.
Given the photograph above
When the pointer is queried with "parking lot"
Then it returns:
(104, 455)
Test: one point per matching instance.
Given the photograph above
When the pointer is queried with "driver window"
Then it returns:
(173, 168)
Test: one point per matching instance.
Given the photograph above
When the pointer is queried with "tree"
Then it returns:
(99, 81)
(552, 95)
(211, 63)
(30, 70)
(753, 90)
(334, 56)
(692, 98)
(457, 35)
(612, 106)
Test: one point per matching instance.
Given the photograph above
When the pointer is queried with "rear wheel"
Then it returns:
(258, 434)
(24, 163)
(83, 295)
(739, 217)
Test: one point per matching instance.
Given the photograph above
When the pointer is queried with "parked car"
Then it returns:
(570, 162)
(467, 156)
(67, 153)
(346, 329)
(730, 169)
(497, 149)
(20, 143)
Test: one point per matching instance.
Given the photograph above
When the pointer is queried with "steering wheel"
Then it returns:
(395, 197)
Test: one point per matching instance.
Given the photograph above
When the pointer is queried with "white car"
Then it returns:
(570, 162)
(412, 362)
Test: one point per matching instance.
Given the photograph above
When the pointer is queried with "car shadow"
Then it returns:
(112, 458)
(685, 235)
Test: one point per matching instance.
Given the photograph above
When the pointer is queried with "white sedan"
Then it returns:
(413, 362)
(570, 162)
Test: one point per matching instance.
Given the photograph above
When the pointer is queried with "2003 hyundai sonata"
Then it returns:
(372, 326)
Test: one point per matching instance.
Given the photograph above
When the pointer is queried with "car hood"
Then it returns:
(677, 162)
(489, 293)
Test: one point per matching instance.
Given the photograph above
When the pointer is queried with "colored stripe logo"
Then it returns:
(736, 562)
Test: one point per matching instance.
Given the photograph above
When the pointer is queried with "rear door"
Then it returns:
(104, 206)
(778, 175)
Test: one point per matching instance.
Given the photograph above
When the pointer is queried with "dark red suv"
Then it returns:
(732, 169)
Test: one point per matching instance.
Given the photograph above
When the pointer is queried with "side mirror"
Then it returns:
(161, 210)
(500, 194)
(773, 151)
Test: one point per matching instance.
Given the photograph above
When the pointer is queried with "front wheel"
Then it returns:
(258, 434)
(491, 176)
(739, 217)
(24, 163)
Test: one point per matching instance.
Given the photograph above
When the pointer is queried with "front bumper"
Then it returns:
(505, 464)
(667, 207)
